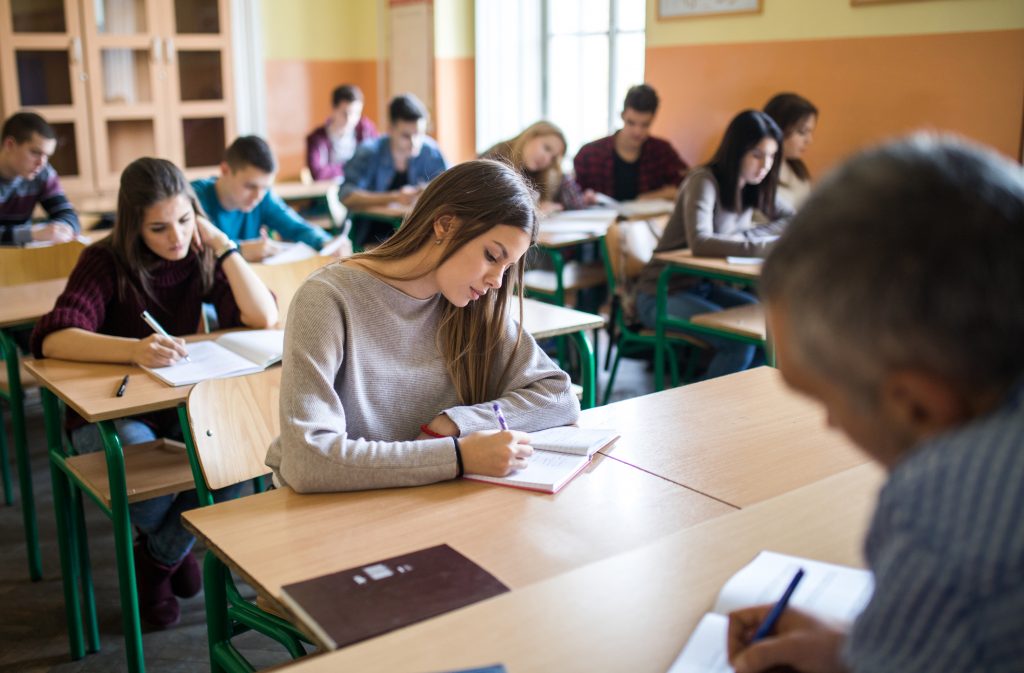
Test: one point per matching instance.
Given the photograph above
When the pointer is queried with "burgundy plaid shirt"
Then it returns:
(659, 165)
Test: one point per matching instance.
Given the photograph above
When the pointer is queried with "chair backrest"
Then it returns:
(46, 262)
(284, 279)
(629, 246)
(233, 421)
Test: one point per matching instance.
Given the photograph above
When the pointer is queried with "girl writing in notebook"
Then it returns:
(797, 117)
(713, 216)
(164, 257)
(537, 152)
(394, 357)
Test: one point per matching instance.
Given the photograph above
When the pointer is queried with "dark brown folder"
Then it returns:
(359, 603)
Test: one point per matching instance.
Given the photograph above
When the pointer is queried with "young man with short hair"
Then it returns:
(895, 300)
(240, 202)
(394, 168)
(631, 163)
(26, 178)
(334, 143)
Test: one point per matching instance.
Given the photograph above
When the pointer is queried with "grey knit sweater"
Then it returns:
(361, 374)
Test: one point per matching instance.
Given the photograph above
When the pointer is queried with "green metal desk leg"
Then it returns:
(123, 547)
(65, 526)
(588, 364)
(5, 467)
(28, 502)
(92, 629)
(659, 329)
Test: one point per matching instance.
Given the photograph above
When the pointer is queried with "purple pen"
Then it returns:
(497, 414)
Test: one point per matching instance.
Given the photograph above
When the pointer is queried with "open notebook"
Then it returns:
(231, 354)
(559, 454)
(297, 251)
(831, 592)
(637, 209)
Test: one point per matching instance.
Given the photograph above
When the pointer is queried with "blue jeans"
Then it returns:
(158, 518)
(707, 296)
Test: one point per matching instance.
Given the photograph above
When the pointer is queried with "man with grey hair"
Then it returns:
(896, 297)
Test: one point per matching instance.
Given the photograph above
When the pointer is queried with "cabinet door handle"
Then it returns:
(169, 50)
(154, 51)
(76, 51)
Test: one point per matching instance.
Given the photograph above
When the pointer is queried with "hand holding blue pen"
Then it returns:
(155, 326)
(768, 625)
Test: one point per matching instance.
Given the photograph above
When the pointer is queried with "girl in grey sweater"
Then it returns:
(394, 357)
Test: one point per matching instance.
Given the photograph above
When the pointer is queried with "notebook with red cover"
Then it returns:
(349, 606)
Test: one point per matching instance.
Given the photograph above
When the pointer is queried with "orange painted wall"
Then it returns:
(298, 100)
(867, 89)
(455, 102)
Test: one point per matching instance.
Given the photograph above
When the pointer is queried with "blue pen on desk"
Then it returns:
(768, 625)
(155, 326)
(497, 414)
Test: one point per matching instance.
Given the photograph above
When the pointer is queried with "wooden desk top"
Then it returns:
(395, 211)
(686, 259)
(742, 438)
(29, 301)
(632, 612)
(291, 191)
(543, 320)
(520, 536)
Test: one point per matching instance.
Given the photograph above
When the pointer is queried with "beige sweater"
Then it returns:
(362, 372)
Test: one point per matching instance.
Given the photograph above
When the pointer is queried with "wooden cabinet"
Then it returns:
(120, 79)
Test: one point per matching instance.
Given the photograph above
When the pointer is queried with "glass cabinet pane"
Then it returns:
(204, 141)
(65, 158)
(38, 16)
(126, 76)
(120, 16)
(200, 75)
(196, 16)
(128, 140)
(43, 77)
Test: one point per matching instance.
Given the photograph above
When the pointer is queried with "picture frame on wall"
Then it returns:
(685, 9)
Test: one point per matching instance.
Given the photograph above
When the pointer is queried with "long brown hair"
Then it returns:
(480, 195)
(145, 182)
(744, 132)
(789, 110)
(548, 181)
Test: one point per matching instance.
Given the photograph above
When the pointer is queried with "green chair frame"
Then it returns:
(228, 613)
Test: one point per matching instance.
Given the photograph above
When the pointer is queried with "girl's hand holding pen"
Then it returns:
(799, 641)
(158, 350)
(495, 453)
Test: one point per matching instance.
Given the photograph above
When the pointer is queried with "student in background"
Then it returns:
(713, 216)
(391, 169)
(537, 152)
(165, 257)
(240, 202)
(334, 143)
(26, 178)
(797, 117)
(630, 163)
(393, 357)
(894, 300)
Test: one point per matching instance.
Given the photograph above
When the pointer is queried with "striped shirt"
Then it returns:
(946, 545)
(18, 198)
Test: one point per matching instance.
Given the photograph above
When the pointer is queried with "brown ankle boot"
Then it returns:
(186, 578)
(157, 605)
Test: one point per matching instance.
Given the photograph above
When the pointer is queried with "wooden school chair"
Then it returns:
(284, 279)
(625, 335)
(17, 267)
(233, 422)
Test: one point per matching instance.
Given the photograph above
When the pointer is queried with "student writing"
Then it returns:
(911, 340)
(797, 117)
(713, 215)
(241, 202)
(165, 257)
(393, 357)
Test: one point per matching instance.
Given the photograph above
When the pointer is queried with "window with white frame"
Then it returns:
(568, 61)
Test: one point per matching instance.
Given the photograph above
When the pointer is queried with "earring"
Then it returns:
(437, 242)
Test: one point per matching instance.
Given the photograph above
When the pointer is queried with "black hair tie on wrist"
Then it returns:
(458, 458)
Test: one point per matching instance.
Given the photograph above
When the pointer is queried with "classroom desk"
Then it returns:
(633, 612)
(294, 191)
(520, 536)
(715, 268)
(741, 439)
(543, 320)
(560, 231)
(20, 306)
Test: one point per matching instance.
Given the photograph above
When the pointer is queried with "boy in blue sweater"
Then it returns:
(240, 202)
